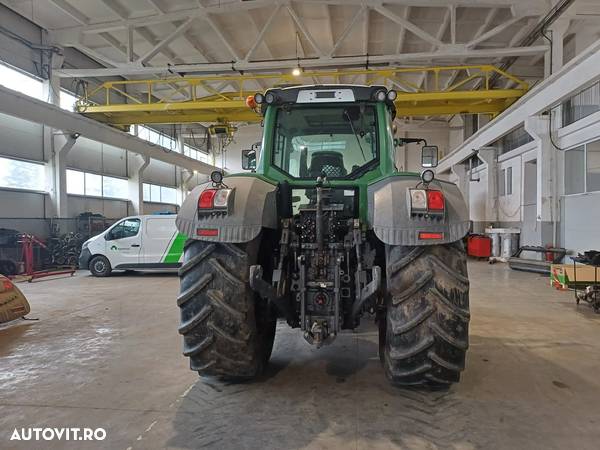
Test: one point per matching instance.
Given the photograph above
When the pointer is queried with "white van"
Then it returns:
(149, 242)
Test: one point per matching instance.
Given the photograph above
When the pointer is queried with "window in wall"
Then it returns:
(512, 140)
(115, 187)
(160, 194)
(575, 170)
(93, 184)
(505, 182)
(19, 81)
(22, 174)
(193, 152)
(154, 137)
(581, 105)
(75, 182)
(67, 100)
(592, 163)
(154, 193)
(84, 183)
(168, 195)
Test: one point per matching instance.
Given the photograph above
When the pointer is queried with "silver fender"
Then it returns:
(254, 208)
(389, 213)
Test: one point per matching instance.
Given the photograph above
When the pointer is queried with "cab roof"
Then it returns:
(325, 93)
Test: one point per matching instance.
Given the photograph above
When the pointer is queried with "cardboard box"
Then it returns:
(564, 275)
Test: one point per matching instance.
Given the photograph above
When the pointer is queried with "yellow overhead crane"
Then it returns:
(450, 90)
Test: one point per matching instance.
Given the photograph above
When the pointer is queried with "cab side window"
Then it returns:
(124, 229)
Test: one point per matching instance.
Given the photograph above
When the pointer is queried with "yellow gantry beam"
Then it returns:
(185, 100)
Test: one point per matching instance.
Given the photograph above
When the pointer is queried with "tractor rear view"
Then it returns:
(325, 232)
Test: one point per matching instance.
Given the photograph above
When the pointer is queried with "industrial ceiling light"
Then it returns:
(296, 71)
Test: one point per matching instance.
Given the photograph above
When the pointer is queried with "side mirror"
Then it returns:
(249, 159)
(429, 156)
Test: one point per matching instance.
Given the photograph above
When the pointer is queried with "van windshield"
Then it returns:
(337, 140)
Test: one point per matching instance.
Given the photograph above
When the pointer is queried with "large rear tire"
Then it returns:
(425, 334)
(228, 331)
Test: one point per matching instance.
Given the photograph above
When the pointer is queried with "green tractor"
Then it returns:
(323, 232)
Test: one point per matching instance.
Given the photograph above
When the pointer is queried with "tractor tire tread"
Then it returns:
(425, 332)
(218, 323)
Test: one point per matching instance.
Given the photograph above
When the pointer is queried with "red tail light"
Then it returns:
(7, 285)
(206, 199)
(207, 232)
(423, 235)
(435, 200)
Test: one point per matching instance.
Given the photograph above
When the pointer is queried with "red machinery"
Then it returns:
(479, 246)
(28, 243)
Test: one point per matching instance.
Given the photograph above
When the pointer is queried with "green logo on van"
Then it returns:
(114, 247)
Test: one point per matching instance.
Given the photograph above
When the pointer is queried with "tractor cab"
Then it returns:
(341, 132)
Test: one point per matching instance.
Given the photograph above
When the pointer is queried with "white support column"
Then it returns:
(57, 173)
(558, 29)
(547, 202)
(181, 141)
(51, 92)
(489, 155)
(537, 127)
(56, 152)
(186, 177)
(554, 58)
(464, 180)
(137, 165)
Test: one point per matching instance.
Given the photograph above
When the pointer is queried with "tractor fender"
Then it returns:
(390, 218)
(254, 207)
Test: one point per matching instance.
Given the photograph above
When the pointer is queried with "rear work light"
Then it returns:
(418, 200)
(221, 198)
(425, 201)
(215, 200)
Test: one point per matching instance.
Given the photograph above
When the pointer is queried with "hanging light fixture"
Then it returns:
(297, 71)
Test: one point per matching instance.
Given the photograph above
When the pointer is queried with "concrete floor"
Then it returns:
(105, 353)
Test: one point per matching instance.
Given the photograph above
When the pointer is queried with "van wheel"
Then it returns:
(100, 266)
